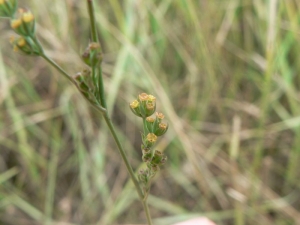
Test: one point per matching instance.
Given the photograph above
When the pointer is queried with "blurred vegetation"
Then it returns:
(225, 74)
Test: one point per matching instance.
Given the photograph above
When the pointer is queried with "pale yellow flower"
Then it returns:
(143, 97)
(151, 98)
(150, 119)
(163, 126)
(27, 17)
(134, 104)
(151, 137)
(150, 106)
(21, 42)
(16, 23)
(160, 115)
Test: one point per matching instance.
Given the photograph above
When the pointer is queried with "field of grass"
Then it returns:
(225, 74)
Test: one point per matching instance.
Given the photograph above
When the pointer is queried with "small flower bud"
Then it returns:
(150, 119)
(82, 85)
(151, 137)
(149, 140)
(78, 77)
(143, 97)
(16, 23)
(27, 17)
(161, 129)
(146, 157)
(8, 8)
(135, 108)
(150, 108)
(143, 176)
(145, 150)
(158, 155)
(160, 116)
(151, 98)
(92, 54)
(134, 104)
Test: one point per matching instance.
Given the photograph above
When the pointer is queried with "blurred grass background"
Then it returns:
(226, 75)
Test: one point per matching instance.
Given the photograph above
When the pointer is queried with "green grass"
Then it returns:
(225, 74)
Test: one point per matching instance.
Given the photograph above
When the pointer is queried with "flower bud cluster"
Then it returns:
(8, 8)
(22, 21)
(84, 84)
(92, 56)
(144, 106)
(155, 125)
(24, 45)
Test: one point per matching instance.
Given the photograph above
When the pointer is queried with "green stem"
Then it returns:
(95, 39)
(92, 20)
(54, 64)
(108, 120)
(122, 152)
(94, 77)
(146, 208)
(113, 132)
(101, 87)
(144, 126)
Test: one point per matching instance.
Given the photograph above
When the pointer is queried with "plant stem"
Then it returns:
(101, 87)
(122, 152)
(95, 39)
(128, 166)
(120, 147)
(92, 20)
(146, 208)
(144, 126)
(107, 118)
(54, 64)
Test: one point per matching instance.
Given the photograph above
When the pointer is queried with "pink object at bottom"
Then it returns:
(197, 221)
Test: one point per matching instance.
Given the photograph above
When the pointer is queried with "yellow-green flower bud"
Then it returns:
(161, 129)
(150, 108)
(151, 98)
(135, 108)
(134, 104)
(16, 23)
(27, 17)
(150, 140)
